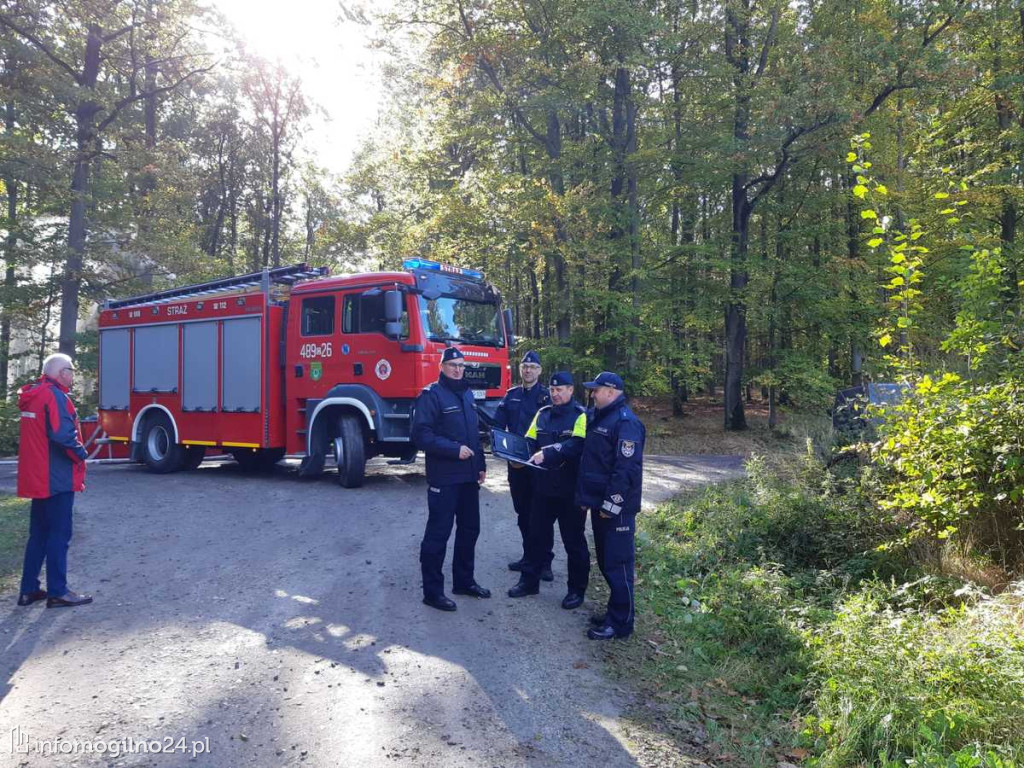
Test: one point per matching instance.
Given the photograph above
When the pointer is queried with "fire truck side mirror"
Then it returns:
(392, 306)
(507, 316)
(393, 314)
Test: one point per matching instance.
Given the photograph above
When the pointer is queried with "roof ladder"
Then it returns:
(276, 276)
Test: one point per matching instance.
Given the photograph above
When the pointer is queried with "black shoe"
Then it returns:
(572, 601)
(68, 600)
(517, 565)
(440, 602)
(599, 619)
(546, 574)
(473, 590)
(605, 633)
(28, 598)
(522, 589)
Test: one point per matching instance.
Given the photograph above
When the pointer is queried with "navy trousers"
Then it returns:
(449, 505)
(572, 524)
(520, 485)
(614, 542)
(49, 535)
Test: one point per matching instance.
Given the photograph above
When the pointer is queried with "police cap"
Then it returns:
(605, 379)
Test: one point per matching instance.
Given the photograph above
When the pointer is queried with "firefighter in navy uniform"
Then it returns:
(445, 428)
(609, 485)
(515, 414)
(558, 431)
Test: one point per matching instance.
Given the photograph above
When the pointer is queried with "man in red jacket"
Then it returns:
(51, 469)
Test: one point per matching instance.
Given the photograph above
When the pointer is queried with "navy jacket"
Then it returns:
(518, 407)
(559, 431)
(445, 418)
(611, 470)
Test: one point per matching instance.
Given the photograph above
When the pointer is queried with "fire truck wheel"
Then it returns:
(194, 455)
(350, 451)
(159, 451)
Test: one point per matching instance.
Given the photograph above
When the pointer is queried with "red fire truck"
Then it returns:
(293, 361)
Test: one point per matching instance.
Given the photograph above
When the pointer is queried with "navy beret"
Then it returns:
(561, 379)
(452, 353)
(605, 379)
(531, 357)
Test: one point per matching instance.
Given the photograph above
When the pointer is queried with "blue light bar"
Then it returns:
(434, 266)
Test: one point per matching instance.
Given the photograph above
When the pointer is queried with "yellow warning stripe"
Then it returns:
(241, 445)
(199, 442)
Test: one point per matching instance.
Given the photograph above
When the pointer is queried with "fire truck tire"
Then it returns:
(350, 451)
(194, 455)
(159, 451)
(262, 460)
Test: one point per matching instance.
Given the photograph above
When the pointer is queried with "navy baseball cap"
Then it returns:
(605, 379)
(452, 354)
(530, 357)
(561, 379)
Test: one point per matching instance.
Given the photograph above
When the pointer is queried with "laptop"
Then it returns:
(511, 447)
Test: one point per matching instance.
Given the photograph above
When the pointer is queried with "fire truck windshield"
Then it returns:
(460, 320)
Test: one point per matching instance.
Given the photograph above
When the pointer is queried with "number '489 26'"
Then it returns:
(307, 351)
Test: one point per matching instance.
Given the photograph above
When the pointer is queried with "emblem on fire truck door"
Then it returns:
(383, 369)
(316, 371)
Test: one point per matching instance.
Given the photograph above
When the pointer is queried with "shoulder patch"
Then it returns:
(627, 447)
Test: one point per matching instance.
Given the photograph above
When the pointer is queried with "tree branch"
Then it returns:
(119, 106)
(768, 179)
(769, 43)
(929, 37)
(118, 33)
(42, 46)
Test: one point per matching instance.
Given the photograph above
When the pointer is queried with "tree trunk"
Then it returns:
(738, 50)
(10, 256)
(535, 301)
(736, 309)
(553, 146)
(1008, 214)
(275, 205)
(85, 135)
(624, 210)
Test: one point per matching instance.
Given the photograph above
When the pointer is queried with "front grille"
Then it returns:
(483, 376)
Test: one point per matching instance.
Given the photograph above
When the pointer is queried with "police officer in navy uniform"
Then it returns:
(444, 427)
(558, 431)
(515, 414)
(609, 485)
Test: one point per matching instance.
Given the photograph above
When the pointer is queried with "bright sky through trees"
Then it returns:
(331, 55)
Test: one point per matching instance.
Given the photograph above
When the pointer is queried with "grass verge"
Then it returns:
(774, 631)
(13, 530)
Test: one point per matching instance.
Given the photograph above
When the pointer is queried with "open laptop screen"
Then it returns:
(511, 447)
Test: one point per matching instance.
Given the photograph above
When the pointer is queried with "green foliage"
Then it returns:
(953, 452)
(13, 532)
(770, 602)
(10, 425)
(909, 687)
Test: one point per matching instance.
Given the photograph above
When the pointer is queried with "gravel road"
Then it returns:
(278, 622)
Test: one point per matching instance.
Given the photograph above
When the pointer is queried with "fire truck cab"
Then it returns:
(293, 361)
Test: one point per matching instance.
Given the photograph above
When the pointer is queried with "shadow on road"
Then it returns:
(288, 611)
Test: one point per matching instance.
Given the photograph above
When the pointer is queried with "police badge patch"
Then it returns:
(628, 447)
